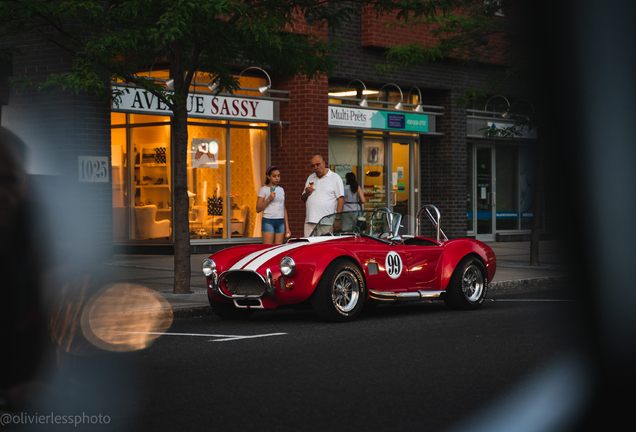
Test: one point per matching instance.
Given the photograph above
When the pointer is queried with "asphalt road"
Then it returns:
(418, 367)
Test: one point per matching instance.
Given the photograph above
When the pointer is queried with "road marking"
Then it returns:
(531, 300)
(223, 338)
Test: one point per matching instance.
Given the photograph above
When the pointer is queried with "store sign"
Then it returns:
(198, 105)
(93, 169)
(360, 118)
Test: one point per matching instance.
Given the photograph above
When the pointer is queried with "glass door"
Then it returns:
(485, 198)
(402, 186)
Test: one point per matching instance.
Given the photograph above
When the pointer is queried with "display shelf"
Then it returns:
(147, 172)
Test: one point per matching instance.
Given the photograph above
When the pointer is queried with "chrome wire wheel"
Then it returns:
(345, 291)
(472, 283)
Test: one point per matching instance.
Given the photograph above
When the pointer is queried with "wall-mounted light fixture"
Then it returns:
(363, 103)
(263, 89)
(418, 108)
(505, 113)
(397, 106)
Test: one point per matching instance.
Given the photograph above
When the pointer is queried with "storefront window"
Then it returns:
(507, 187)
(248, 153)
(143, 118)
(374, 180)
(527, 184)
(222, 201)
(343, 156)
(207, 181)
(117, 118)
(119, 164)
(152, 216)
(214, 213)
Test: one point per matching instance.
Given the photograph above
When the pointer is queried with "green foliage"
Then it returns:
(117, 40)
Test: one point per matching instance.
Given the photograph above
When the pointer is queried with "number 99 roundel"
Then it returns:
(393, 265)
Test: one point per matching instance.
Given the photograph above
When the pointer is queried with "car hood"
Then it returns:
(255, 260)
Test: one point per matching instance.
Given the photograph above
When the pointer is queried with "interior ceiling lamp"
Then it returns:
(506, 113)
(363, 103)
(398, 106)
(263, 89)
(418, 108)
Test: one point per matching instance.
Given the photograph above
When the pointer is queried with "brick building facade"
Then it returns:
(62, 127)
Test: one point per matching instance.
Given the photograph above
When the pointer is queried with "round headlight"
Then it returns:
(207, 267)
(287, 266)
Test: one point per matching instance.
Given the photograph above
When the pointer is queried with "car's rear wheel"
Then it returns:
(340, 293)
(228, 310)
(468, 286)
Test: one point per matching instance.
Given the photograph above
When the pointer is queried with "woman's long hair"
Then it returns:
(352, 182)
(269, 172)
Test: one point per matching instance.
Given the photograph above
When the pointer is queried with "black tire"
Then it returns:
(228, 310)
(468, 286)
(340, 294)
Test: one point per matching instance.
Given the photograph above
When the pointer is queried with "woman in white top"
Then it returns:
(353, 196)
(271, 201)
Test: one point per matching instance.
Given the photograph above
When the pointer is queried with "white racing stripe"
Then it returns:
(257, 259)
(223, 338)
(250, 257)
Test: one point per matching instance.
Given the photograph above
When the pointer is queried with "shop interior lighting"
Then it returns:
(506, 113)
(263, 89)
(418, 108)
(399, 105)
(363, 103)
(352, 93)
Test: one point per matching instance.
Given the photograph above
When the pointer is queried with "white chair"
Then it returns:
(147, 227)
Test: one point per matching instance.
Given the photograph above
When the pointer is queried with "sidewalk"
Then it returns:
(154, 275)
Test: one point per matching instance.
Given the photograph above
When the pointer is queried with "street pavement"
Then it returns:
(150, 277)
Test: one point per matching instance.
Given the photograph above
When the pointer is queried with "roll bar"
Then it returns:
(434, 219)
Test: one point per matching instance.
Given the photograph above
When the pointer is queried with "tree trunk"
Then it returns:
(181, 224)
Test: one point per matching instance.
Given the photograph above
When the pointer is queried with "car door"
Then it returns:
(424, 265)
(386, 267)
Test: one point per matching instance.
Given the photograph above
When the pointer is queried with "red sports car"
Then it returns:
(351, 258)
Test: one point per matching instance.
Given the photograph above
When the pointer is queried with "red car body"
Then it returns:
(402, 268)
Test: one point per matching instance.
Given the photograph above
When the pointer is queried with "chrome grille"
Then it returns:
(243, 282)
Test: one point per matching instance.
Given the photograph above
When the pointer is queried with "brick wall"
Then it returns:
(443, 166)
(382, 32)
(293, 146)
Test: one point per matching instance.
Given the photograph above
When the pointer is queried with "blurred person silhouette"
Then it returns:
(23, 335)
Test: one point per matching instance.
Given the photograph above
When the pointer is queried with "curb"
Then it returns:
(527, 284)
(518, 285)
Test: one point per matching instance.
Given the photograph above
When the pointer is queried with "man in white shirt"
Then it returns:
(323, 195)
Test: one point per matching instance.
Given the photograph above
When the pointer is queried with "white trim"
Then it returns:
(255, 260)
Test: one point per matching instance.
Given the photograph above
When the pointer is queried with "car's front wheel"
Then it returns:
(340, 293)
(228, 310)
(468, 286)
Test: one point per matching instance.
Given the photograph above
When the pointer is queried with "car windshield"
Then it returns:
(376, 223)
